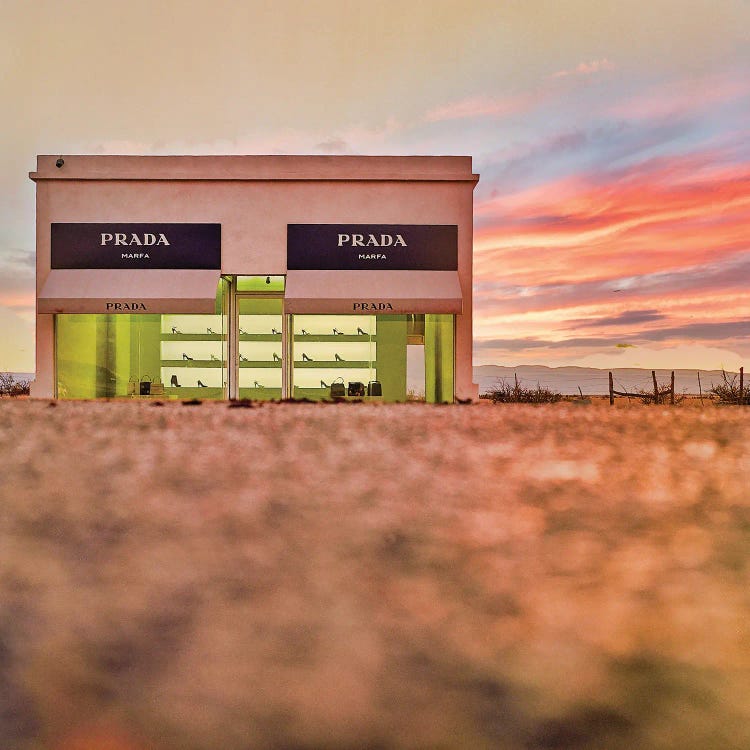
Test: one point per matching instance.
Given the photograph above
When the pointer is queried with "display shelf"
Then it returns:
(264, 393)
(261, 363)
(330, 337)
(189, 337)
(191, 391)
(202, 363)
(329, 364)
(325, 393)
(260, 337)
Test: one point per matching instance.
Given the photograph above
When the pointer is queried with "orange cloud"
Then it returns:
(682, 97)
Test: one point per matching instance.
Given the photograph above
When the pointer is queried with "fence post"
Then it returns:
(656, 387)
(611, 391)
(671, 394)
(742, 385)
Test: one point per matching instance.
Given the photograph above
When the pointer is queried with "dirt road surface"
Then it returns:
(189, 577)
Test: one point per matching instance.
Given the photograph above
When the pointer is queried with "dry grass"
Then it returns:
(339, 576)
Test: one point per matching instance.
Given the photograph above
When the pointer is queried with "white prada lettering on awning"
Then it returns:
(372, 292)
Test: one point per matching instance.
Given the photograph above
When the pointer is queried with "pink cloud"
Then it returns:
(660, 216)
(682, 97)
(586, 68)
(482, 106)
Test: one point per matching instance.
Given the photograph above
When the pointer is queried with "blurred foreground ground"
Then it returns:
(365, 576)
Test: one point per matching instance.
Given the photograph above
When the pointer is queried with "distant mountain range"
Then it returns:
(592, 381)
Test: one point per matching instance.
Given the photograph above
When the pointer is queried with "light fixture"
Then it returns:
(59, 162)
(268, 279)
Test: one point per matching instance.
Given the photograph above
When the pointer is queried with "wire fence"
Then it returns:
(659, 394)
(726, 389)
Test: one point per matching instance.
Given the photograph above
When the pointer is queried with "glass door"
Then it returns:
(260, 347)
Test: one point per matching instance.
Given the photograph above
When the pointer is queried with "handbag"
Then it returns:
(131, 387)
(338, 389)
(145, 386)
(356, 389)
(157, 388)
(374, 388)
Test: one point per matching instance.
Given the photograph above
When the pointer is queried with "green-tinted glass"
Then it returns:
(117, 355)
(438, 353)
(260, 283)
(391, 364)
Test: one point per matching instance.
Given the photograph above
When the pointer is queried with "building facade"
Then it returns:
(260, 277)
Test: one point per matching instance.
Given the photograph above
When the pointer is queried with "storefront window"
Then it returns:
(374, 350)
(400, 357)
(328, 348)
(105, 356)
(102, 356)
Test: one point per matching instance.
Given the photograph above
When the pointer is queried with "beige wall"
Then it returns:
(254, 198)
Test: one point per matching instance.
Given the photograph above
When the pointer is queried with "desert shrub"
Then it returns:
(728, 391)
(9, 386)
(505, 393)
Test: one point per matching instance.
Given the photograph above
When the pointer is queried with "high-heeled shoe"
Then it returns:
(175, 331)
(338, 359)
(275, 332)
(276, 357)
(185, 356)
(305, 358)
(173, 382)
(361, 332)
(256, 384)
(214, 358)
(336, 332)
(244, 333)
(202, 385)
(243, 358)
(322, 384)
(304, 332)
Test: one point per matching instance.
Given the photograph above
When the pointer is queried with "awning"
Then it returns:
(138, 291)
(372, 292)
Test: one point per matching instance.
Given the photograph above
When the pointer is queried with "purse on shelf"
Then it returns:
(145, 386)
(356, 389)
(157, 388)
(131, 387)
(374, 388)
(338, 390)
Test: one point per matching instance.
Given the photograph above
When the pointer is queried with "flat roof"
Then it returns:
(222, 167)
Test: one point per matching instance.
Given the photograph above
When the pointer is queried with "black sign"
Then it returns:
(196, 246)
(384, 247)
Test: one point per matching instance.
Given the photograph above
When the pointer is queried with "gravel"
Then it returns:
(179, 577)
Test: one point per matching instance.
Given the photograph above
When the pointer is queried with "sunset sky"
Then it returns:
(612, 218)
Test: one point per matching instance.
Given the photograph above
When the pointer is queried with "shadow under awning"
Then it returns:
(137, 291)
(372, 292)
